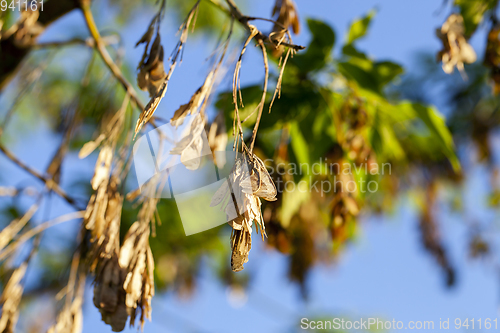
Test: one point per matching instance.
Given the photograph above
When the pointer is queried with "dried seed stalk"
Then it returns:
(264, 93)
(236, 87)
(277, 91)
(10, 231)
(11, 298)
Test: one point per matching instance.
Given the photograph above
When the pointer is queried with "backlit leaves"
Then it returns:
(318, 52)
(359, 27)
(473, 12)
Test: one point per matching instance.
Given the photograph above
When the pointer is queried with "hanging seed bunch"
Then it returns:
(354, 149)
(456, 51)
(354, 143)
(108, 284)
(136, 259)
(124, 283)
(344, 207)
(102, 219)
(136, 256)
(103, 213)
(250, 181)
(255, 183)
(191, 146)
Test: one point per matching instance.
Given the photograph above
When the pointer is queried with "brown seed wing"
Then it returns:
(241, 245)
(267, 189)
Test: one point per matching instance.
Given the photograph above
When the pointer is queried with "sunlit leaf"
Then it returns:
(359, 27)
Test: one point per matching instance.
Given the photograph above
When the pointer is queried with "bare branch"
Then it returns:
(48, 182)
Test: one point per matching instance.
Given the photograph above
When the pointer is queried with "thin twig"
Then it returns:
(18, 224)
(236, 87)
(264, 93)
(39, 228)
(277, 91)
(48, 182)
(90, 42)
(28, 82)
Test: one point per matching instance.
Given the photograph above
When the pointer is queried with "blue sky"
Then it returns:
(385, 273)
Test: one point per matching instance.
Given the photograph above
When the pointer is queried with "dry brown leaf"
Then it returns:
(241, 243)
(194, 103)
(151, 69)
(161, 90)
(286, 16)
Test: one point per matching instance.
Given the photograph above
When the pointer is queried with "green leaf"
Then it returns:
(319, 49)
(363, 77)
(369, 75)
(359, 27)
(351, 51)
(299, 144)
(473, 12)
(437, 126)
(384, 140)
(292, 200)
(386, 71)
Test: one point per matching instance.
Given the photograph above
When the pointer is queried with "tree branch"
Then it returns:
(101, 48)
(48, 182)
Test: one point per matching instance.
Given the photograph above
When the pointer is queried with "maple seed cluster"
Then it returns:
(248, 182)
